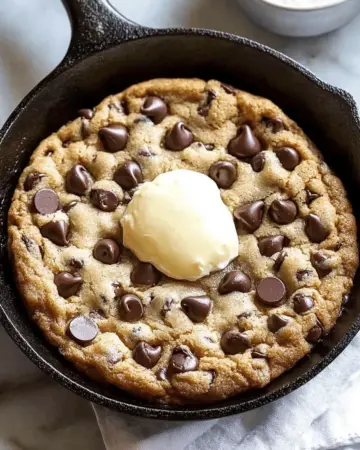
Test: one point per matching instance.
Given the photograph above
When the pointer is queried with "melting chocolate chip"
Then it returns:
(130, 308)
(104, 200)
(289, 157)
(129, 175)
(272, 244)
(279, 260)
(302, 303)
(145, 274)
(182, 360)
(78, 180)
(86, 113)
(302, 274)
(244, 144)
(275, 322)
(321, 264)
(270, 291)
(315, 334)
(233, 342)
(46, 201)
(68, 206)
(161, 374)
(234, 281)
(197, 308)
(257, 354)
(155, 108)
(311, 196)
(228, 88)
(83, 330)
(258, 162)
(32, 179)
(283, 211)
(57, 232)
(249, 217)
(67, 284)
(167, 306)
(275, 124)
(203, 110)
(315, 229)
(224, 173)
(107, 251)
(179, 137)
(146, 355)
(113, 138)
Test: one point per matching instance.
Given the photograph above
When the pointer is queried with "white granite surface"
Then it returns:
(35, 412)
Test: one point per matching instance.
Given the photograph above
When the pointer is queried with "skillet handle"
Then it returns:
(96, 25)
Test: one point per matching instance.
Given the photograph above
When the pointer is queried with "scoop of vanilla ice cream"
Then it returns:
(179, 223)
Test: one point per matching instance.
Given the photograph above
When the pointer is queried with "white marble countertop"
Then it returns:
(35, 412)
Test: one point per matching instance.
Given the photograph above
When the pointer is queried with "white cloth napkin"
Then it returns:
(323, 414)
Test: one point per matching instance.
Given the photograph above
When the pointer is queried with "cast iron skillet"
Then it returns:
(107, 54)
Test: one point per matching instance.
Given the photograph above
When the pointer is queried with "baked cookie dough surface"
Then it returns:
(121, 321)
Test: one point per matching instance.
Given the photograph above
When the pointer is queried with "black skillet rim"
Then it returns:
(181, 413)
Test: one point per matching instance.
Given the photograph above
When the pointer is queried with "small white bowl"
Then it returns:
(301, 21)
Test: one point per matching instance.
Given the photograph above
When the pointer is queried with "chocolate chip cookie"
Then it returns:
(242, 319)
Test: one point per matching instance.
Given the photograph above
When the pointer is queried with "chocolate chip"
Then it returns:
(234, 281)
(197, 308)
(275, 124)
(302, 274)
(249, 217)
(283, 211)
(161, 374)
(85, 128)
(279, 260)
(245, 315)
(321, 264)
(32, 179)
(67, 284)
(315, 229)
(76, 263)
(57, 232)
(272, 244)
(78, 180)
(209, 146)
(289, 157)
(83, 330)
(130, 308)
(311, 196)
(257, 354)
(29, 243)
(46, 201)
(182, 360)
(275, 322)
(66, 208)
(113, 138)
(270, 291)
(203, 110)
(104, 200)
(233, 342)
(126, 198)
(179, 137)
(107, 251)
(145, 274)
(155, 108)
(224, 173)
(144, 152)
(244, 144)
(167, 306)
(258, 162)
(86, 113)
(129, 175)
(146, 355)
(228, 88)
(315, 334)
(302, 303)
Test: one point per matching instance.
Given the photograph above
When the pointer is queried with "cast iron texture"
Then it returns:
(107, 54)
